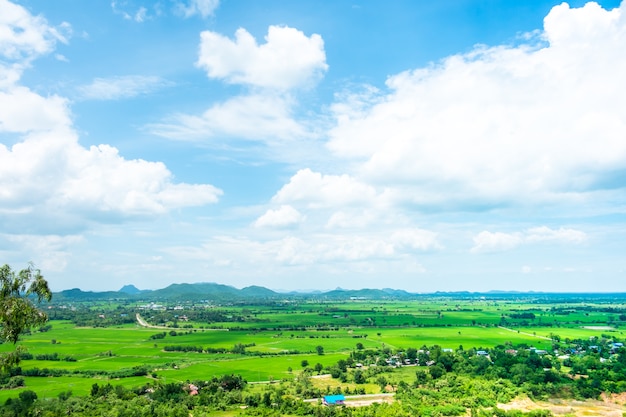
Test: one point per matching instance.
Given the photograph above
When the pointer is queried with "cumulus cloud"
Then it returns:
(284, 216)
(486, 241)
(55, 175)
(333, 249)
(338, 252)
(257, 117)
(545, 234)
(352, 219)
(536, 122)
(288, 58)
(496, 241)
(314, 189)
(337, 248)
(120, 87)
(49, 252)
(204, 8)
(22, 111)
(47, 174)
(24, 36)
(415, 239)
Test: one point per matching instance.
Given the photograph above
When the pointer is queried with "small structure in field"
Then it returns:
(334, 399)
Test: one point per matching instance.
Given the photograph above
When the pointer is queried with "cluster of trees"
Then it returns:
(83, 316)
(455, 397)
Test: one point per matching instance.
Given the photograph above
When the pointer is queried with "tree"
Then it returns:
(359, 378)
(18, 312)
(437, 371)
(319, 349)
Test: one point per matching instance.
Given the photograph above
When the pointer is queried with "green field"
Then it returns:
(277, 338)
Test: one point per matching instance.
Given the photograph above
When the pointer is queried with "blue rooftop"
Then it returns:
(334, 399)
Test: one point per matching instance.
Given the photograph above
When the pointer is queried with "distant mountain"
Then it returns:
(212, 291)
(225, 293)
(366, 293)
(130, 289)
(258, 292)
(182, 292)
(76, 294)
(397, 293)
(195, 291)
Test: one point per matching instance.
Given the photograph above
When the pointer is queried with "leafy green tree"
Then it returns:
(18, 311)
(318, 367)
(437, 371)
(359, 377)
(382, 382)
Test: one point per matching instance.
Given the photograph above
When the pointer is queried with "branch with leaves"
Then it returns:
(20, 292)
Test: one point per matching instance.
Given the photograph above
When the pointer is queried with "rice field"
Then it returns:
(278, 339)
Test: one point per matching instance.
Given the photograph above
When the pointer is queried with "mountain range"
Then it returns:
(224, 293)
(221, 292)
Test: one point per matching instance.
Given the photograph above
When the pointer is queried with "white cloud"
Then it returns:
(486, 241)
(418, 239)
(545, 234)
(22, 111)
(382, 251)
(139, 14)
(317, 190)
(499, 125)
(52, 174)
(337, 248)
(120, 87)
(204, 8)
(24, 36)
(99, 179)
(496, 241)
(47, 174)
(254, 117)
(353, 248)
(349, 219)
(288, 59)
(284, 216)
(49, 252)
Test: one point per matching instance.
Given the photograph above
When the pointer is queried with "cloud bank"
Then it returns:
(534, 123)
(45, 172)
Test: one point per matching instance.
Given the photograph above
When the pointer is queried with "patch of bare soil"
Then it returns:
(365, 400)
(609, 406)
(614, 398)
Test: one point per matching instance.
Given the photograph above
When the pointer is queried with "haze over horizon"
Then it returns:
(424, 146)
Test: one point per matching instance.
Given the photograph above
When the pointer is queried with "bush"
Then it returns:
(15, 382)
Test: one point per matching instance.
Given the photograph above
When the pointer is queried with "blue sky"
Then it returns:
(429, 146)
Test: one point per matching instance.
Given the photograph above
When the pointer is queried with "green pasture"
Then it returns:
(448, 337)
(336, 326)
(80, 386)
(437, 312)
(251, 368)
(572, 333)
